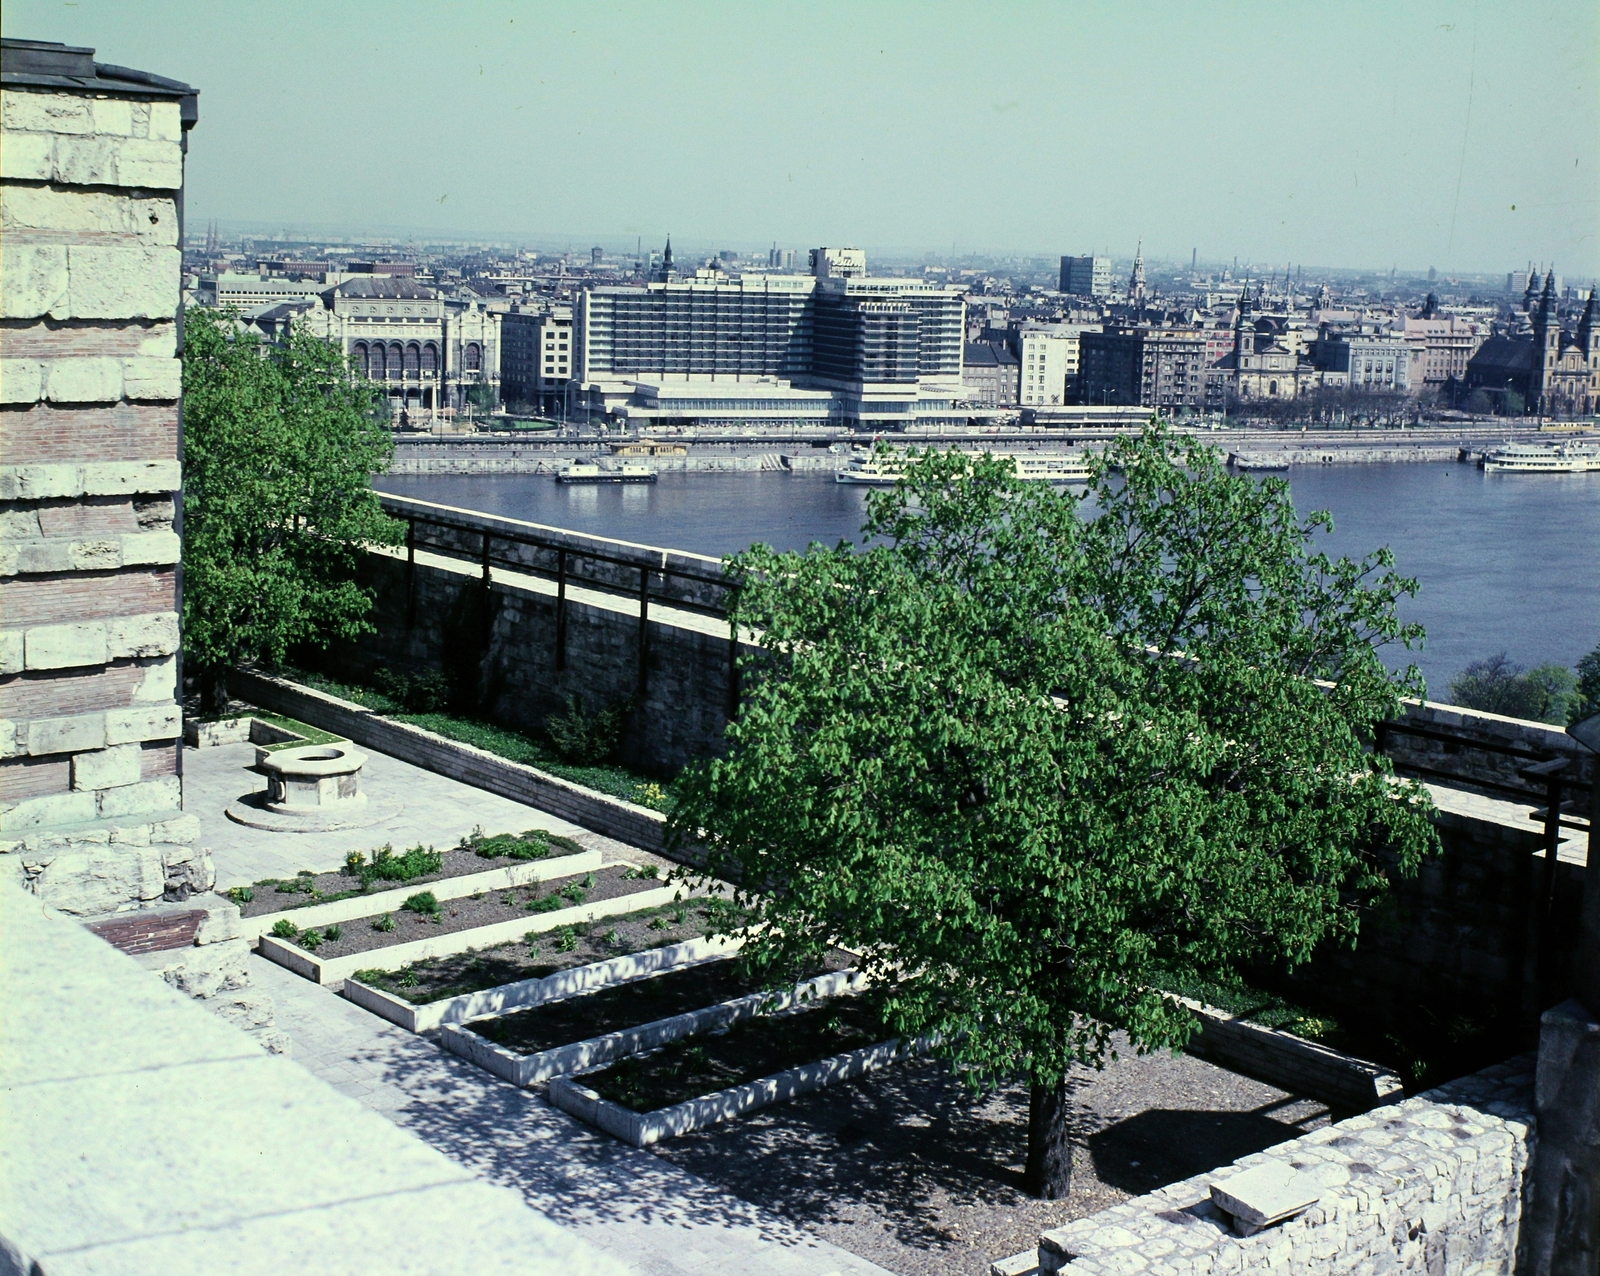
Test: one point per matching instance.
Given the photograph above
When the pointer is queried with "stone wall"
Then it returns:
(90, 207)
(1432, 1184)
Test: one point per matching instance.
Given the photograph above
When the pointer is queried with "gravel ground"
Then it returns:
(358, 935)
(904, 1168)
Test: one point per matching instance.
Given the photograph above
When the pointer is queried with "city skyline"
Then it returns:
(1445, 136)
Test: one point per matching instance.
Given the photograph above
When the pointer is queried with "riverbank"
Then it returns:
(423, 455)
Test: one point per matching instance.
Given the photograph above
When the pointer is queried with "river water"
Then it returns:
(1507, 562)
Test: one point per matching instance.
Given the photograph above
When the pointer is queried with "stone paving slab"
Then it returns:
(144, 1135)
(657, 1219)
(429, 808)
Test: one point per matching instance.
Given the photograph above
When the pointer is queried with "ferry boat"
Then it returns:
(1543, 458)
(867, 469)
(589, 472)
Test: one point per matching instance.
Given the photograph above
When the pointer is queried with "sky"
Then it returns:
(1463, 136)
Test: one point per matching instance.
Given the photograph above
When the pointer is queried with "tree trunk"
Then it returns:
(213, 691)
(1049, 1171)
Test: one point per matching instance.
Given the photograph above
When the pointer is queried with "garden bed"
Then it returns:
(560, 1037)
(426, 926)
(382, 879)
(712, 1077)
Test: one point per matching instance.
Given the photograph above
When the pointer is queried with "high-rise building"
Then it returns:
(536, 357)
(889, 349)
(1086, 276)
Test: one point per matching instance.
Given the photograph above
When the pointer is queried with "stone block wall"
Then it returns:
(91, 184)
(1433, 1184)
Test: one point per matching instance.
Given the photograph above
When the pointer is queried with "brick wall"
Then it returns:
(91, 209)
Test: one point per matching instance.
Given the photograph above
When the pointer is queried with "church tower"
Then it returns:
(1546, 347)
(1136, 280)
(1589, 347)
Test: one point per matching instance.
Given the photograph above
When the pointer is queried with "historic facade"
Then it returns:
(1553, 372)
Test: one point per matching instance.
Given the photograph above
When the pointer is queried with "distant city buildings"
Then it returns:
(990, 374)
(1086, 276)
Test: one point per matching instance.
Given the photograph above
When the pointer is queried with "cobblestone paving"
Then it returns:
(659, 1219)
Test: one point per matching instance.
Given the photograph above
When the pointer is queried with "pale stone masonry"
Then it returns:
(91, 190)
(1432, 1184)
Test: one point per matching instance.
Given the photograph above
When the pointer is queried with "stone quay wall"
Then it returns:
(1432, 1184)
(90, 728)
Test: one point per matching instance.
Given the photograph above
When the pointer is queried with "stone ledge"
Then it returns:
(47, 481)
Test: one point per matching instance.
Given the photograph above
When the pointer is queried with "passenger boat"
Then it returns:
(589, 472)
(1543, 458)
(1052, 469)
(869, 470)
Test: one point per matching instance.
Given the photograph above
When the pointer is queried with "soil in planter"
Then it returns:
(748, 1051)
(559, 1023)
(475, 855)
(435, 978)
(504, 904)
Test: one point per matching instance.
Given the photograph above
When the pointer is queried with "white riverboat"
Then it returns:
(872, 470)
(1543, 458)
(589, 472)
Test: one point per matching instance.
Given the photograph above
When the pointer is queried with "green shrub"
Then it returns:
(332, 933)
(1496, 684)
(566, 939)
(574, 892)
(548, 904)
(586, 738)
(355, 862)
(385, 923)
(283, 928)
(241, 895)
(423, 903)
(413, 693)
(649, 873)
(386, 866)
(612, 938)
(310, 940)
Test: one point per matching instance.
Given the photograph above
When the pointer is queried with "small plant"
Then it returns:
(586, 738)
(354, 863)
(651, 795)
(423, 903)
(332, 933)
(680, 914)
(659, 923)
(533, 939)
(548, 904)
(241, 895)
(575, 893)
(588, 881)
(283, 928)
(310, 939)
(534, 844)
(566, 939)
(407, 978)
(384, 923)
(508, 900)
(386, 866)
(649, 873)
(612, 938)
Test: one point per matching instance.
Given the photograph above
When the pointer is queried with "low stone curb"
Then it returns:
(333, 969)
(1291, 1063)
(636, 825)
(643, 1128)
(505, 998)
(530, 1069)
(343, 910)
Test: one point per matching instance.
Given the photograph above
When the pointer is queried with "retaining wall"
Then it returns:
(1432, 1184)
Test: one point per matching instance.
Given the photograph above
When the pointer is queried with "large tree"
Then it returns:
(1037, 755)
(280, 443)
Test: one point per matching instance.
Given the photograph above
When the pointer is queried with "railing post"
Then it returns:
(1544, 893)
(644, 630)
(561, 609)
(411, 573)
(733, 669)
(488, 595)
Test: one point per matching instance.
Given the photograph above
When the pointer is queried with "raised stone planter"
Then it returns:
(1290, 1062)
(531, 1069)
(532, 992)
(643, 1128)
(446, 888)
(334, 969)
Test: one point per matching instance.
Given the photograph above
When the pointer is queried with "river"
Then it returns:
(1507, 562)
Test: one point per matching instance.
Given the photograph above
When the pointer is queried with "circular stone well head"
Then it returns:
(314, 777)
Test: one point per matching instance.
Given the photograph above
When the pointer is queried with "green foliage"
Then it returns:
(241, 895)
(423, 903)
(1497, 684)
(310, 939)
(1588, 689)
(283, 928)
(649, 873)
(1479, 403)
(566, 939)
(386, 866)
(585, 739)
(332, 933)
(413, 693)
(548, 904)
(385, 923)
(532, 844)
(1514, 403)
(278, 455)
(1044, 760)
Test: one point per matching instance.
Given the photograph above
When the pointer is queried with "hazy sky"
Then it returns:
(1459, 135)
